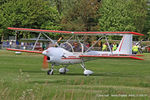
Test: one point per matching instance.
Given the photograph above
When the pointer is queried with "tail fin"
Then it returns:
(125, 46)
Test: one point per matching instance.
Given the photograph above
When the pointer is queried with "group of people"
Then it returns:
(135, 48)
(9, 43)
(77, 47)
(112, 46)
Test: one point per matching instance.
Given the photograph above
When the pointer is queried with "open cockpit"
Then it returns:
(74, 46)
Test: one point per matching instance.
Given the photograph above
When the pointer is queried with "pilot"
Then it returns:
(76, 47)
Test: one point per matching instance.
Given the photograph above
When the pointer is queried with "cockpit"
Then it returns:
(74, 46)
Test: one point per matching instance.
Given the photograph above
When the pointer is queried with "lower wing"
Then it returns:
(111, 56)
(45, 63)
(29, 51)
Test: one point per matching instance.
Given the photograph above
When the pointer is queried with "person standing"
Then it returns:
(135, 49)
(7, 44)
(10, 43)
(104, 47)
(43, 46)
(114, 47)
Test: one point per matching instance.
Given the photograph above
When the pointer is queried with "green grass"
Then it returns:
(21, 78)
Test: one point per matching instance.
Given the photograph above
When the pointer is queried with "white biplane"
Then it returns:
(65, 53)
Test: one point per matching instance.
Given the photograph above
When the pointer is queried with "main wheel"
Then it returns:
(49, 72)
(87, 72)
(63, 70)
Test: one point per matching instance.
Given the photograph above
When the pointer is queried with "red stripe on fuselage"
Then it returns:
(70, 58)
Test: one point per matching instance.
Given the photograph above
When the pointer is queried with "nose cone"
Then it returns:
(44, 52)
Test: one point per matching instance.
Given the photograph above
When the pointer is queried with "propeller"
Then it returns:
(45, 63)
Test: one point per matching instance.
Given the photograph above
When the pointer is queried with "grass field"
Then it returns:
(21, 78)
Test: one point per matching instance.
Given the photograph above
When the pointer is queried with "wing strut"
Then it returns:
(51, 40)
(81, 45)
(93, 44)
(36, 41)
(108, 44)
(70, 38)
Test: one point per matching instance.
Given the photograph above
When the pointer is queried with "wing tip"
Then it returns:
(133, 57)
(135, 33)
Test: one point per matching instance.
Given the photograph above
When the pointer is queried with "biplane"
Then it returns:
(67, 53)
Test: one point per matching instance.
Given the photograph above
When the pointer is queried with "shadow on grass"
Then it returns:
(103, 74)
(81, 74)
(76, 77)
(114, 74)
(72, 74)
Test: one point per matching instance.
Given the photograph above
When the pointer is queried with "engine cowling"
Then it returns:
(51, 59)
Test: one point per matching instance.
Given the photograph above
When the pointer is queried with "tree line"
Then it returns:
(75, 15)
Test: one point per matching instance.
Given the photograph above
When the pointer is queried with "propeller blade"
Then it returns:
(45, 63)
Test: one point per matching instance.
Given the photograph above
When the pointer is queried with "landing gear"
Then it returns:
(63, 70)
(86, 72)
(50, 72)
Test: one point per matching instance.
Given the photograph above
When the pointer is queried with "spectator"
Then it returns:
(104, 47)
(10, 44)
(134, 49)
(43, 46)
(7, 43)
(114, 46)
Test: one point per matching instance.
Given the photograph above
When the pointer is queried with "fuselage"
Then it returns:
(59, 55)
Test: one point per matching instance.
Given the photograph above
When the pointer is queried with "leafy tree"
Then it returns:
(80, 15)
(122, 15)
(146, 29)
(3, 1)
(29, 14)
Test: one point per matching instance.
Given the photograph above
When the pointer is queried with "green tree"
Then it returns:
(80, 15)
(28, 14)
(147, 23)
(122, 15)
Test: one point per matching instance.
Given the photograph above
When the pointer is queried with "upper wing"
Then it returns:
(111, 56)
(70, 32)
(29, 51)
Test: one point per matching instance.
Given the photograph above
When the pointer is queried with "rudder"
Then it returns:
(125, 46)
